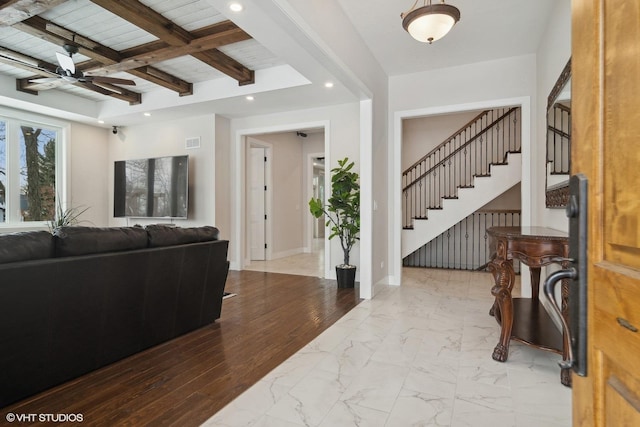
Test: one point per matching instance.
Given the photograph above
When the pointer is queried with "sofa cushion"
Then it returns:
(73, 241)
(163, 235)
(26, 246)
(208, 233)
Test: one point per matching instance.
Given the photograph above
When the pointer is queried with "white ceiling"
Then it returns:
(288, 77)
(487, 30)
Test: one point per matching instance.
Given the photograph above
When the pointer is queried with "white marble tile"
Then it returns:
(420, 409)
(398, 349)
(295, 368)
(311, 399)
(485, 371)
(418, 354)
(376, 386)
(434, 376)
(345, 415)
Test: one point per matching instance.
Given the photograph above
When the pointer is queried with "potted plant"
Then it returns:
(343, 215)
(66, 217)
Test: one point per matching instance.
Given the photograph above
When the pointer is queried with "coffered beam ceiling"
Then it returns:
(173, 42)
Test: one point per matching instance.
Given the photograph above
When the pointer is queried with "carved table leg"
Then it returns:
(502, 271)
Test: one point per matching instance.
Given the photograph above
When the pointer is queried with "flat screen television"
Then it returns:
(151, 188)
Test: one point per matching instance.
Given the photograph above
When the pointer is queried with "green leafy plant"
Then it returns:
(66, 217)
(343, 207)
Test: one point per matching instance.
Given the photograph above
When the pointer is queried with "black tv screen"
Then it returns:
(154, 188)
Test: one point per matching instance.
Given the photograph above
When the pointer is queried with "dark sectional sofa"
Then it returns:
(85, 297)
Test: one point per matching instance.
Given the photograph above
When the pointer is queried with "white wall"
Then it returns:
(553, 54)
(89, 174)
(348, 58)
(422, 134)
(223, 169)
(158, 139)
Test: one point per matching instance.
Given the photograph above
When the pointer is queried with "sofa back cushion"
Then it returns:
(162, 235)
(26, 246)
(73, 241)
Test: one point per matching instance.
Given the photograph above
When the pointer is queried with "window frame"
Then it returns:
(14, 119)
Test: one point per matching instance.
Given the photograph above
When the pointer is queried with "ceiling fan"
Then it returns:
(67, 71)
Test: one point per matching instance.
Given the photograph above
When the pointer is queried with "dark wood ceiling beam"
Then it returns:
(165, 79)
(133, 98)
(102, 55)
(170, 33)
(148, 19)
(139, 57)
(47, 30)
(13, 11)
(227, 65)
(26, 62)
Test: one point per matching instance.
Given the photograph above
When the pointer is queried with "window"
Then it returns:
(29, 170)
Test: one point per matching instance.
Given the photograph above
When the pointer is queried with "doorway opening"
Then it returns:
(283, 170)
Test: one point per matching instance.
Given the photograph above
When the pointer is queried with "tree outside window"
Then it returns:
(37, 173)
(27, 171)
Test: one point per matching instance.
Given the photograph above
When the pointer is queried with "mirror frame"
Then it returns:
(556, 196)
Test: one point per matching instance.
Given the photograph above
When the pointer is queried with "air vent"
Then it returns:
(192, 142)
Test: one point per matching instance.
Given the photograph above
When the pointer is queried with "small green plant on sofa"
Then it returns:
(66, 216)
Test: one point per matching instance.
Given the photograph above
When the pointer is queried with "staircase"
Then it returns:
(558, 144)
(473, 166)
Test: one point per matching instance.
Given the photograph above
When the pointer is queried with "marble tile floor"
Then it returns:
(415, 355)
(304, 264)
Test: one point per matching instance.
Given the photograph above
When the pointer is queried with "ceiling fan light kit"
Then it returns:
(430, 22)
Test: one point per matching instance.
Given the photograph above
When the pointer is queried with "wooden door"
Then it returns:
(606, 148)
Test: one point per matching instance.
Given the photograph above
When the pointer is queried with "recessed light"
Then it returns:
(235, 7)
(250, 98)
(328, 84)
(101, 122)
(147, 114)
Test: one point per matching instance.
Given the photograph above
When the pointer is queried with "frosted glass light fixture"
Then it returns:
(429, 22)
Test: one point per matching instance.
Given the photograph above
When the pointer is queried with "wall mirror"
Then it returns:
(559, 141)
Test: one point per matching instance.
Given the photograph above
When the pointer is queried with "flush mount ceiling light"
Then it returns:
(429, 22)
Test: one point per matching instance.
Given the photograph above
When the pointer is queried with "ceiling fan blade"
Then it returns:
(112, 80)
(66, 62)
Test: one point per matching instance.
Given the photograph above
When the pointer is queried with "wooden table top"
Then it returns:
(541, 233)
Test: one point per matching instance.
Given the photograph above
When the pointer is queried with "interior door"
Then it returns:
(257, 202)
(606, 148)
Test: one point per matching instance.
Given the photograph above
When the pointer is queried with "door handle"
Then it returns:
(549, 287)
(575, 328)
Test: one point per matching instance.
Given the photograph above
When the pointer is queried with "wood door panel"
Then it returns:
(622, 403)
(621, 131)
(605, 140)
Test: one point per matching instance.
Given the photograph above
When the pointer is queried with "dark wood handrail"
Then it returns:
(559, 132)
(457, 150)
(443, 143)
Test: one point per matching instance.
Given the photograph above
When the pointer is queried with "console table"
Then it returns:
(525, 319)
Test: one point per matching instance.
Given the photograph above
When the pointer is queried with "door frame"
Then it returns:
(395, 170)
(238, 187)
(308, 233)
(256, 143)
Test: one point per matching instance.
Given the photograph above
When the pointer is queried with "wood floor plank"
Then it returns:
(187, 380)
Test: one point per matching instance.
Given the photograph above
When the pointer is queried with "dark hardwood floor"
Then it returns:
(187, 380)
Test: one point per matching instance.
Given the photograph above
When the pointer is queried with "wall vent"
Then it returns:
(192, 142)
